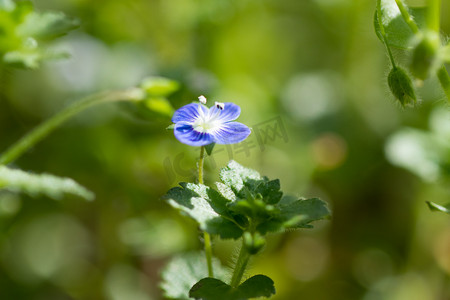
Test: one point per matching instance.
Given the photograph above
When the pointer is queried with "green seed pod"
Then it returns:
(253, 243)
(401, 86)
(425, 55)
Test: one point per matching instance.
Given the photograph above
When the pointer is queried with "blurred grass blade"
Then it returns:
(52, 186)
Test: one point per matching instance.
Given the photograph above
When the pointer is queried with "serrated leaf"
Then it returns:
(436, 207)
(212, 289)
(234, 175)
(159, 86)
(47, 25)
(256, 286)
(183, 271)
(398, 33)
(215, 289)
(303, 212)
(206, 206)
(295, 214)
(226, 191)
(41, 184)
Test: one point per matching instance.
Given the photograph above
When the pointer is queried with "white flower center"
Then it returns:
(207, 122)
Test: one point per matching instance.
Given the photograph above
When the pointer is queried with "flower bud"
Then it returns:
(253, 243)
(424, 56)
(401, 86)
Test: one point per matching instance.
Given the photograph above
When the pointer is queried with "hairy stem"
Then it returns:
(42, 130)
(206, 236)
(241, 265)
(444, 79)
(407, 17)
(383, 33)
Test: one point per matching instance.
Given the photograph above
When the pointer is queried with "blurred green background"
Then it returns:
(310, 75)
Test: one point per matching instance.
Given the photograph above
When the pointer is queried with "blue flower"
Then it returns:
(197, 125)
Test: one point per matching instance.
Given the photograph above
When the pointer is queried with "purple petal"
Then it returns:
(231, 133)
(189, 113)
(230, 112)
(187, 135)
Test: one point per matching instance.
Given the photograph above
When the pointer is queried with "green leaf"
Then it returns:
(295, 214)
(398, 33)
(24, 58)
(436, 207)
(41, 184)
(234, 175)
(206, 206)
(300, 213)
(159, 86)
(212, 289)
(159, 105)
(47, 25)
(215, 289)
(256, 286)
(183, 271)
(22, 30)
(209, 148)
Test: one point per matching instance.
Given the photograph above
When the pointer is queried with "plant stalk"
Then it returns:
(241, 265)
(434, 15)
(45, 128)
(383, 33)
(444, 79)
(206, 236)
(407, 17)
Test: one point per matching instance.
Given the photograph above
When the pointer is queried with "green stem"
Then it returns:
(407, 17)
(240, 266)
(444, 79)
(42, 130)
(383, 33)
(206, 236)
(208, 252)
(434, 15)
(200, 164)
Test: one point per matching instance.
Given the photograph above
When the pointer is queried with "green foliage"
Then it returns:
(244, 202)
(159, 86)
(436, 207)
(209, 148)
(43, 184)
(401, 86)
(183, 271)
(215, 289)
(398, 33)
(23, 30)
(155, 102)
(207, 207)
